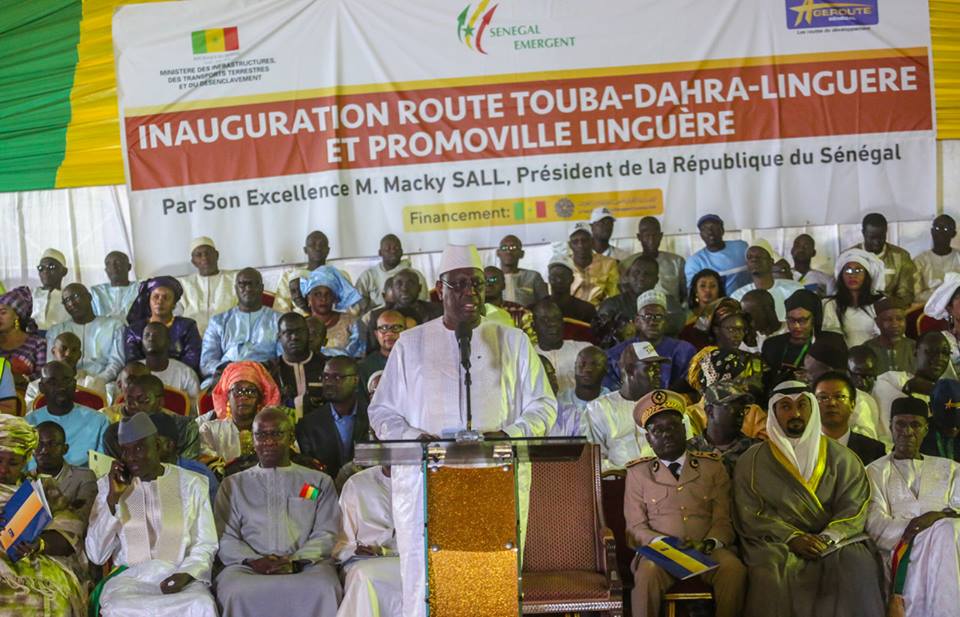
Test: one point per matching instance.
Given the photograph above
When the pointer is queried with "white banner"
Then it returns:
(256, 121)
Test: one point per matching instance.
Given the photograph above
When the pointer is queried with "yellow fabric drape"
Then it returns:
(945, 33)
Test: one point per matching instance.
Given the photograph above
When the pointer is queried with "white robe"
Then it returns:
(888, 388)
(48, 307)
(180, 376)
(564, 362)
(205, 296)
(110, 301)
(371, 584)
(101, 345)
(218, 438)
(932, 587)
(865, 418)
(608, 422)
(421, 392)
(185, 516)
(371, 281)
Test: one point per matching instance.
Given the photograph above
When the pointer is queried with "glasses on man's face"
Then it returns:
(464, 285)
(334, 378)
(943, 228)
(46, 267)
(651, 317)
(798, 321)
(245, 392)
(509, 247)
(854, 271)
(832, 398)
(277, 435)
(733, 329)
(492, 280)
(395, 328)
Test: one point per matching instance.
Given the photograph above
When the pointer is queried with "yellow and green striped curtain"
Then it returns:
(58, 105)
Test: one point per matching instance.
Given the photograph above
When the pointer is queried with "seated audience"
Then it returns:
(330, 296)
(706, 287)
(914, 502)
(560, 275)
(588, 372)
(862, 366)
(155, 520)
(20, 343)
(278, 524)
(67, 348)
(244, 389)
(894, 351)
(389, 326)
(48, 307)
(144, 394)
(760, 258)
(548, 326)
(405, 289)
(101, 338)
(725, 360)
(525, 287)
(247, 331)
(40, 582)
(173, 373)
(650, 323)
(367, 546)
(817, 281)
(683, 494)
(371, 282)
(496, 308)
(601, 228)
(672, 279)
(851, 311)
(608, 420)
(797, 496)
(83, 426)
(328, 432)
(728, 258)
(836, 396)
(640, 276)
(784, 353)
(169, 435)
(900, 275)
(298, 370)
(209, 290)
(943, 437)
(595, 276)
(944, 304)
(725, 406)
(114, 298)
(77, 484)
(155, 302)
(762, 320)
(114, 412)
(933, 265)
(287, 297)
(318, 334)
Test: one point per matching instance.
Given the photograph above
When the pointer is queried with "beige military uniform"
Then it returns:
(695, 507)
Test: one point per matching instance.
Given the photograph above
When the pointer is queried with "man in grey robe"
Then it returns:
(278, 523)
(800, 511)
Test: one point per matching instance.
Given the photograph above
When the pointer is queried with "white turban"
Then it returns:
(939, 302)
(870, 262)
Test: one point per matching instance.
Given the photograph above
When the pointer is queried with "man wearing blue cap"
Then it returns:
(729, 258)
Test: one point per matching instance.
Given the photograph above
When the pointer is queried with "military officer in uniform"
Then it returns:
(684, 494)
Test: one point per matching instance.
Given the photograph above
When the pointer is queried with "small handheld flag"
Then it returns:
(27, 514)
(682, 563)
(309, 491)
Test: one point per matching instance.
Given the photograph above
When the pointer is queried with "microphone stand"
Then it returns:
(464, 335)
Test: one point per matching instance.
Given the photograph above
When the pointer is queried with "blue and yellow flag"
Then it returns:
(683, 563)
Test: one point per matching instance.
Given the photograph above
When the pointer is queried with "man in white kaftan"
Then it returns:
(367, 547)
(914, 496)
(156, 520)
(209, 290)
(421, 394)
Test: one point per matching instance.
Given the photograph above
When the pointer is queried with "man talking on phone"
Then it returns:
(154, 521)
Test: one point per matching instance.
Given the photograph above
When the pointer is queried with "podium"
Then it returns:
(472, 531)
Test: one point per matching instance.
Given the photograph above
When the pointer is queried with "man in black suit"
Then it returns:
(836, 396)
(329, 431)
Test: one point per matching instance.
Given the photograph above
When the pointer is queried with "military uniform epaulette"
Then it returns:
(642, 459)
(704, 454)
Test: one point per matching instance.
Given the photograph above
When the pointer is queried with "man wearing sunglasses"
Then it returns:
(421, 396)
(942, 258)
(48, 306)
(390, 324)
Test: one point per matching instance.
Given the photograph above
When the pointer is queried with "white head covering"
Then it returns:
(579, 226)
(457, 256)
(561, 259)
(599, 214)
(652, 296)
(870, 262)
(765, 245)
(55, 255)
(202, 241)
(802, 452)
(939, 300)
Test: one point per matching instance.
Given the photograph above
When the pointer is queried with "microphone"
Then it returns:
(464, 335)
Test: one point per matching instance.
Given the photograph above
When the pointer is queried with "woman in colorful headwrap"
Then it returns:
(706, 287)
(329, 296)
(850, 312)
(40, 583)
(944, 304)
(19, 342)
(155, 302)
(244, 389)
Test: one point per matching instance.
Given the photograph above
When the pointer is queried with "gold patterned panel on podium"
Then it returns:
(472, 564)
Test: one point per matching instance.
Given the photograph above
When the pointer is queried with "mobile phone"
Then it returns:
(124, 474)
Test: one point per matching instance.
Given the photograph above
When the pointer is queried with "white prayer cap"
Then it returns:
(763, 244)
(55, 255)
(580, 226)
(135, 428)
(652, 296)
(870, 262)
(646, 351)
(561, 259)
(202, 241)
(938, 305)
(457, 256)
(599, 214)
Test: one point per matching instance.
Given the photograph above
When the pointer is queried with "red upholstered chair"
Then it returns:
(568, 557)
(176, 401)
(206, 402)
(925, 324)
(576, 330)
(268, 298)
(81, 396)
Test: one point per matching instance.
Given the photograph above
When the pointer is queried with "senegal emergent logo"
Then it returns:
(468, 31)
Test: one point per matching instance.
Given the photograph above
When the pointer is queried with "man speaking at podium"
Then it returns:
(422, 396)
